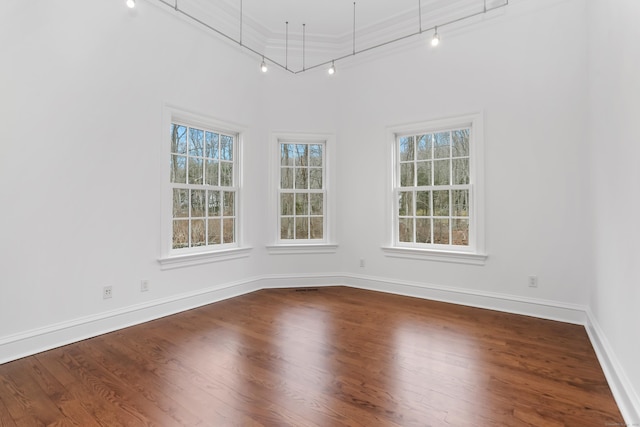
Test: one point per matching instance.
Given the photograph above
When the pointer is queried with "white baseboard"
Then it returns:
(37, 340)
(626, 397)
(544, 309)
(34, 341)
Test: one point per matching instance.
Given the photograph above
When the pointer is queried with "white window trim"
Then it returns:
(475, 254)
(170, 258)
(326, 245)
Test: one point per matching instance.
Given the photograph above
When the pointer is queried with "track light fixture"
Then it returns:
(131, 4)
(435, 41)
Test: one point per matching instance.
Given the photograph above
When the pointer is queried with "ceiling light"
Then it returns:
(263, 66)
(131, 3)
(332, 69)
(435, 41)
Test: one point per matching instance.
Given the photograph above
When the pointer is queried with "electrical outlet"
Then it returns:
(361, 262)
(107, 292)
(144, 286)
(533, 281)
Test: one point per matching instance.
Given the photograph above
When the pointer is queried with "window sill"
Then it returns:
(188, 260)
(302, 249)
(434, 255)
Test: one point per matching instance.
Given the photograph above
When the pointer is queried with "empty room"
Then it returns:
(319, 213)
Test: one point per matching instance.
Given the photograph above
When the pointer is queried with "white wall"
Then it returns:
(526, 71)
(83, 85)
(614, 86)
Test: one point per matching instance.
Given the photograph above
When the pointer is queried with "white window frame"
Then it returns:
(175, 258)
(474, 253)
(307, 246)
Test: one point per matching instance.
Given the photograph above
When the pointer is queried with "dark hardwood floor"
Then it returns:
(331, 357)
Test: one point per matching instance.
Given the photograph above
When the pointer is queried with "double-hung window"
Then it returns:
(437, 190)
(302, 192)
(201, 190)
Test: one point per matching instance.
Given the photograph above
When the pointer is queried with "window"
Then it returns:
(302, 203)
(201, 197)
(437, 190)
(203, 187)
(301, 191)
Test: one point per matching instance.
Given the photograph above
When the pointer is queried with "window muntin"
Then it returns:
(203, 181)
(433, 189)
(302, 191)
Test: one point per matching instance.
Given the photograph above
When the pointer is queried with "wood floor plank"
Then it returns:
(332, 357)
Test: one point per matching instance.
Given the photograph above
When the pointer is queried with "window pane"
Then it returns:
(406, 148)
(315, 155)
(179, 169)
(197, 203)
(211, 172)
(302, 178)
(286, 204)
(441, 172)
(286, 228)
(229, 205)
(316, 228)
(302, 204)
(423, 204)
(317, 204)
(315, 178)
(180, 234)
(286, 177)
(195, 171)
(228, 230)
(302, 227)
(423, 230)
(226, 147)
(460, 171)
(406, 175)
(214, 203)
(212, 140)
(460, 232)
(460, 143)
(197, 232)
(405, 230)
(287, 155)
(226, 174)
(213, 231)
(178, 139)
(405, 203)
(460, 200)
(424, 173)
(441, 231)
(441, 203)
(424, 146)
(442, 145)
(196, 142)
(302, 154)
(180, 203)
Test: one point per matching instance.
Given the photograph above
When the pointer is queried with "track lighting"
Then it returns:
(435, 41)
(263, 66)
(332, 69)
(131, 4)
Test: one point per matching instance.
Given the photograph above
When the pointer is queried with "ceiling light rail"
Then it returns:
(435, 28)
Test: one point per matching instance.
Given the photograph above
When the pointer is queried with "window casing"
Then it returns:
(302, 202)
(437, 190)
(201, 181)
